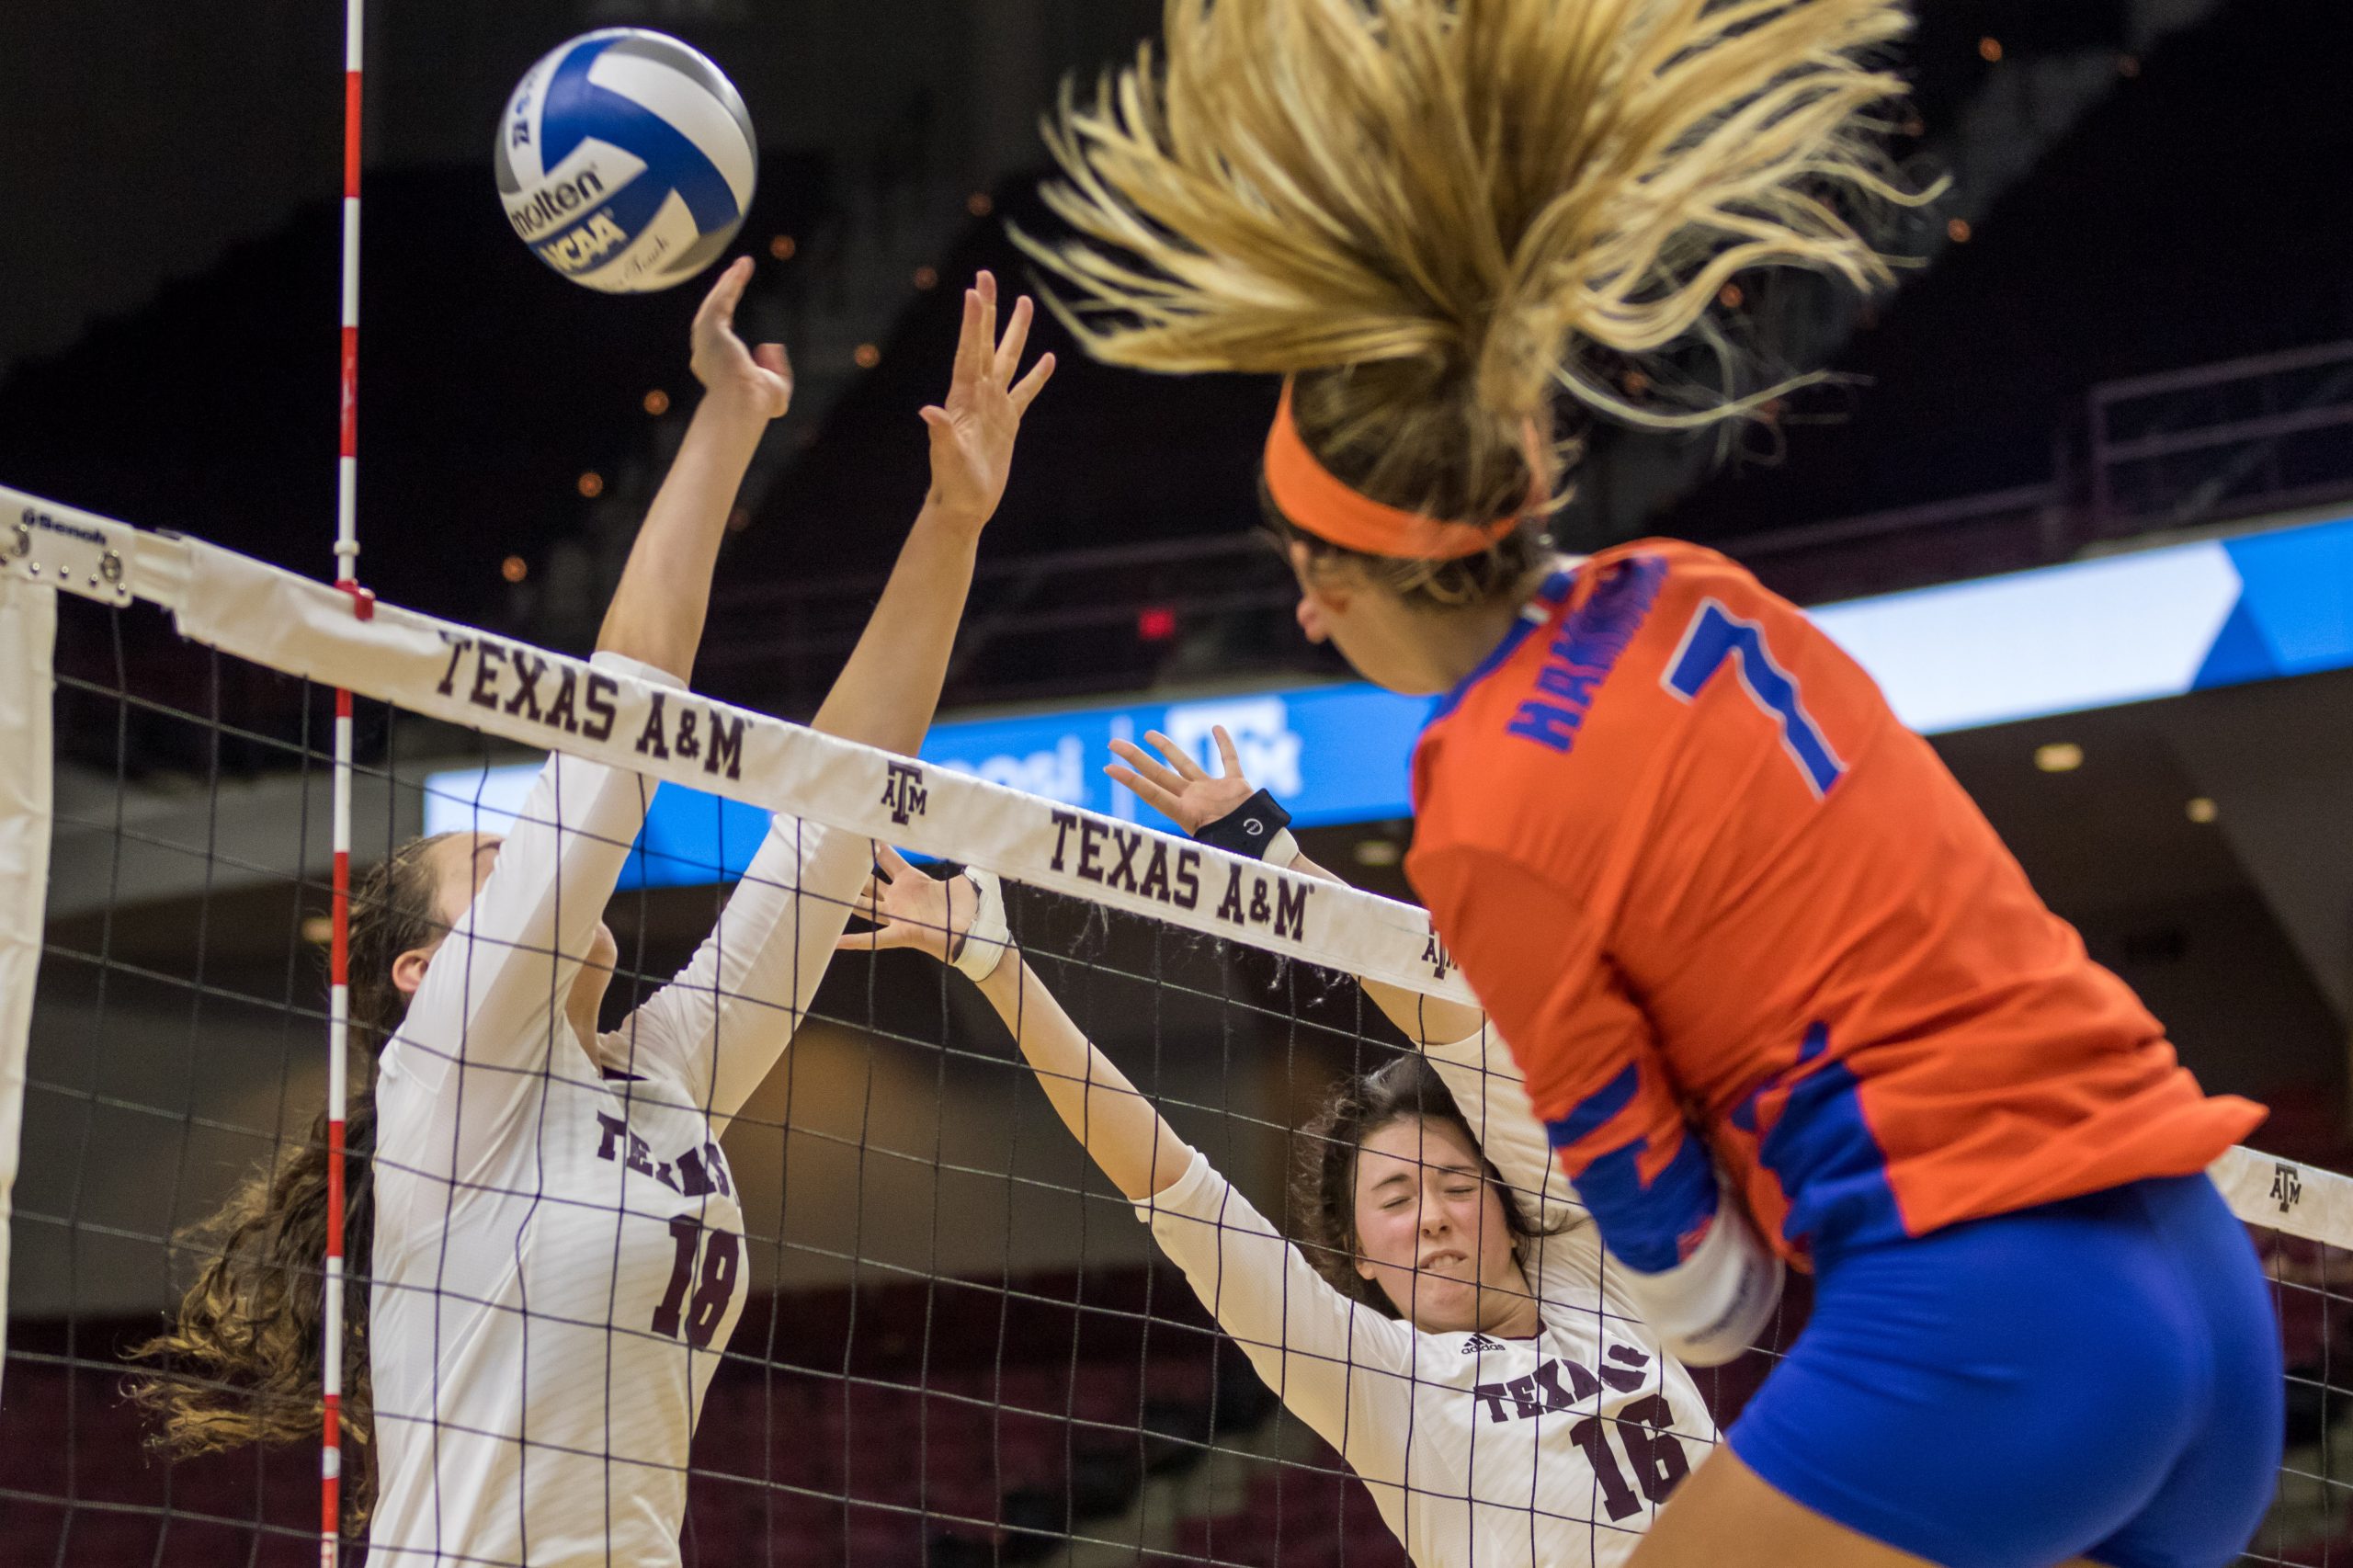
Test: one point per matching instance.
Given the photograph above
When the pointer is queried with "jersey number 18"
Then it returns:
(699, 1316)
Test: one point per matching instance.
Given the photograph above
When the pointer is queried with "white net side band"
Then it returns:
(28, 638)
(516, 691)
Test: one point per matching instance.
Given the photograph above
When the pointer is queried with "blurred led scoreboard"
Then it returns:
(2128, 627)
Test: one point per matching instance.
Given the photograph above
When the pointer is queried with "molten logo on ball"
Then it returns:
(626, 161)
(553, 204)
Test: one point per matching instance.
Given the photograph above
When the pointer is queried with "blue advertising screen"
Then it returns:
(2062, 638)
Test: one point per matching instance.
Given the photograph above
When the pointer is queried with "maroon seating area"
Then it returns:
(929, 1422)
(930, 1425)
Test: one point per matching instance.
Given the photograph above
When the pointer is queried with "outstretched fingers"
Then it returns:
(1016, 339)
(1150, 766)
(1025, 393)
(1160, 800)
(1225, 750)
(867, 906)
(985, 287)
(884, 938)
(1179, 758)
(972, 346)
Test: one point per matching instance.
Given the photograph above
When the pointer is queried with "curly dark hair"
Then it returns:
(239, 1363)
(1323, 1183)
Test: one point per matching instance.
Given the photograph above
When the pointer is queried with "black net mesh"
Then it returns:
(957, 1344)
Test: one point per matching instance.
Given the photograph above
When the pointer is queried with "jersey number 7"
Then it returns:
(1714, 636)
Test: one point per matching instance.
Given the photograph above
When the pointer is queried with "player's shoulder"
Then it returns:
(1544, 745)
(1527, 705)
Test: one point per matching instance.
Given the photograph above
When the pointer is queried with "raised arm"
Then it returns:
(718, 1029)
(492, 989)
(1342, 1367)
(657, 611)
(885, 695)
(1175, 785)
(1128, 1140)
(1477, 1066)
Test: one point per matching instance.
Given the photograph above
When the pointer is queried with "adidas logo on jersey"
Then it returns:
(1478, 1342)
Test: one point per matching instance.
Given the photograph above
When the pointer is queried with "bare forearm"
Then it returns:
(1426, 1019)
(1126, 1137)
(888, 691)
(657, 616)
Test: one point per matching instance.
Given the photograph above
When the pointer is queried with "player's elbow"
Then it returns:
(1712, 1307)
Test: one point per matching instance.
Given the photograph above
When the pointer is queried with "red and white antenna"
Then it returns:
(347, 576)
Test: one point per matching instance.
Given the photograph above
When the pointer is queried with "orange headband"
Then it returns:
(1324, 506)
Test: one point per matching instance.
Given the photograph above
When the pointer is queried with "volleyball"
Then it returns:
(626, 161)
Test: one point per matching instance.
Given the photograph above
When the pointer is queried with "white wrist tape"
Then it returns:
(989, 939)
(1711, 1306)
(1281, 849)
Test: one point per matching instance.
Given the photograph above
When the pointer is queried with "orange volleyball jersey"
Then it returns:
(1704, 879)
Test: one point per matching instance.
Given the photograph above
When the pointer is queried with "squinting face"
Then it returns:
(1430, 1228)
(461, 864)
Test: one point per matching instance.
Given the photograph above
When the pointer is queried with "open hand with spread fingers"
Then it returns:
(973, 431)
(959, 920)
(911, 909)
(1178, 786)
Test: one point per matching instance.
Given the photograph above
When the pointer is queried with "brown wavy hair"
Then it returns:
(240, 1362)
(1437, 216)
(1323, 1181)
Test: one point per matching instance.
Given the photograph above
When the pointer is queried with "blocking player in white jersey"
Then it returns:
(557, 1242)
(1451, 1325)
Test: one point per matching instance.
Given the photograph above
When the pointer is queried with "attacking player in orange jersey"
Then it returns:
(1779, 990)
(1683, 841)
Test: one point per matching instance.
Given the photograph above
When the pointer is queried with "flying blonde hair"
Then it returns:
(1450, 206)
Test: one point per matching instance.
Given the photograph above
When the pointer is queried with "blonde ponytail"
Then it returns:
(1465, 202)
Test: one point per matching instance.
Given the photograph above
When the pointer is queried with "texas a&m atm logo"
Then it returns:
(904, 794)
(2287, 1185)
(1433, 954)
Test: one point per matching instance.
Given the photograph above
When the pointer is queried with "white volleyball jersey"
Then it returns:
(1479, 1452)
(558, 1246)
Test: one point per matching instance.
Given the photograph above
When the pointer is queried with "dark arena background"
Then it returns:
(2080, 496)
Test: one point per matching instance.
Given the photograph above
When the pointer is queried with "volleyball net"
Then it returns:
(956, 1343)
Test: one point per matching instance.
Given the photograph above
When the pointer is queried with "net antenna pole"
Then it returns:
(346, 577)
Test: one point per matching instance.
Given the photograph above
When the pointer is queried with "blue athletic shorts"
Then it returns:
(2098, 1378)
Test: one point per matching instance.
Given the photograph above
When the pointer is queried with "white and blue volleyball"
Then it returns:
(626, 161)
